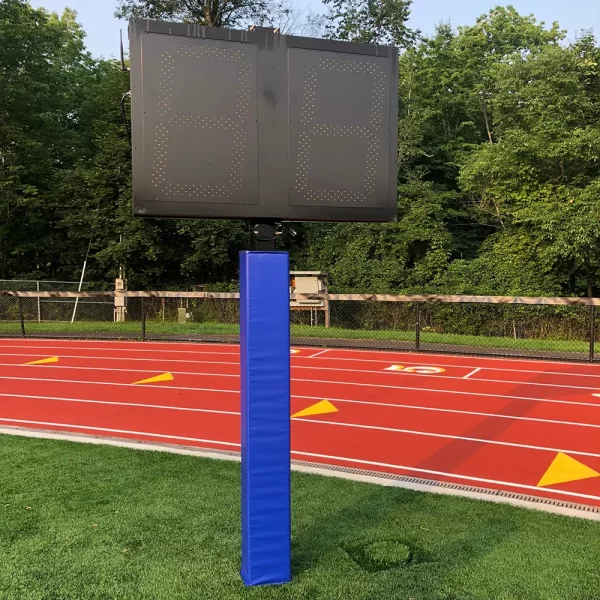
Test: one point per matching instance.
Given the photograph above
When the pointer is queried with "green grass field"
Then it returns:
(84, 522)
(170, 328)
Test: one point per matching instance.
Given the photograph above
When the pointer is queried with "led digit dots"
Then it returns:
(172, 124)
(360, 133)
(256, 125)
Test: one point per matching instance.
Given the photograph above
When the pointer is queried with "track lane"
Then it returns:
(466, 461)
(353, 355)
(584, 408)
(190, 363)
(483, 429)
(440, 382)
(335, 435)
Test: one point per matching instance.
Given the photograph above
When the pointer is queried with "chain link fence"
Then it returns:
(555, 328)
(52, 310)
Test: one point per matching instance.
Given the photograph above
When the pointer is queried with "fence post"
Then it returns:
(143, 319)
(21, 316)
(418, 327)
(592, 332)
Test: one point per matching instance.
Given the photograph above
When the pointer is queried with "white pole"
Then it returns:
(38, 304)
(81, 281)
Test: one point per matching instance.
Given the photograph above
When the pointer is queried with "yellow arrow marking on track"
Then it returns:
(320, 408)
(421, 369)
(157, 379)
(44, 361)
(564, 469)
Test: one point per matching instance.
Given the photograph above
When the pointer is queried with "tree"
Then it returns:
(213, 13)
(370, 21)
(542, 172)
(44, 73)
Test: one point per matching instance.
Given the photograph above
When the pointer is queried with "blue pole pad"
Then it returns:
(265, 387)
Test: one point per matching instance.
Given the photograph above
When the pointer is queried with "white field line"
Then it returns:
(313, 355)
(472, 373)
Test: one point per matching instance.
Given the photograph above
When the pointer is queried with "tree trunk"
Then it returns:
(487, 122)
(209, 13)
(497, 209)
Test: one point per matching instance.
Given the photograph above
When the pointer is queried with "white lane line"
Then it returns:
(319, 381)
(453, 365)
(128, 385)
(337, 400)
(379, 373)
(449, 437)
(444, 474)
(503, 359)
(454, 411)
(472, 373)
(56, 348)
(453, 392)
(125, 431)
(296, 358)
(117, 343)
(440, 435)
(116, 403)
(116, 370)
(307, 454)
(145, 359)
(159, 346)
(438, 376)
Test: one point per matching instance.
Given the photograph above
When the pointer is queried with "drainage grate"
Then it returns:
(450, 486)
(375, 475)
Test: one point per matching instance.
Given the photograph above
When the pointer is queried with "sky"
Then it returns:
(102, 29)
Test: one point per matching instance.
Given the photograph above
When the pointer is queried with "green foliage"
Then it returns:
(44, 73)
(370, 21)
(498, 181)
(214, 13)
(541, 178)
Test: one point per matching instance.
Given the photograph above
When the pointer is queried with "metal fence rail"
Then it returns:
(48, 308)
(558, 328)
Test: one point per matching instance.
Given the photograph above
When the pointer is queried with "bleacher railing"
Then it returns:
(556, 328)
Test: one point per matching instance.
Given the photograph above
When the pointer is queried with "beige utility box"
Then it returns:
(310, 282)
(120, 306)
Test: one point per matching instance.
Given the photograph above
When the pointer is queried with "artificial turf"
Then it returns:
(103, 523)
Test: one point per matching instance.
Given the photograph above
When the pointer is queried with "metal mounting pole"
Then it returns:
(264, 235)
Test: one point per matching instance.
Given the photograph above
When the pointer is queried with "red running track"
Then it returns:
(481, 422)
